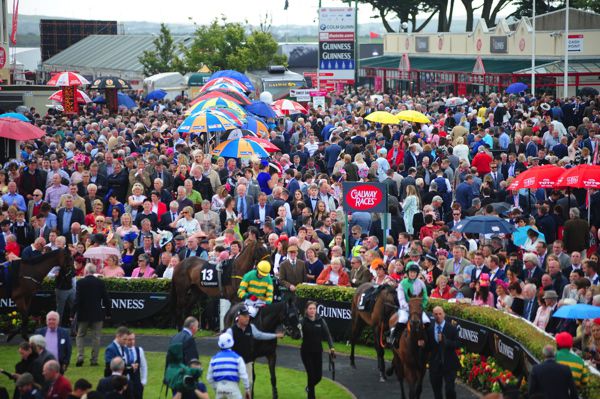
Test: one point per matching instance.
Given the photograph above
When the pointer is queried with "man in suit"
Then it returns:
(409, 180)
(138, 377)
(411, 158)
(58, 340)
(532, 272)
(117, 369)
(531, 302)
(312, 199)
(73, 237)
(456, 265)
(166, 178)
(42, 228)
(209, 220)
(550, 379)
(115, 349)
(147, 214)
(98, 179)
(90, 295)
(496, 175)
(78, 201)
(169, 217)
(165, 195)
(551, 300)
(38, 347)
(259, 212)
(512, 167)
(576, 235)
(69, 215)
(243, 203)
(186, 338)
(292, 271)
(293, 184)
(34, 249)
(33, 206)
(480, 267)
(191, 249)
(464, 192)
(442, 342)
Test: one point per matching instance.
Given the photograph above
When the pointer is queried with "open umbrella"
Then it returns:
(413, 116)
(544, 176)
(382, 117)
(15, 115)
(206, 121)
(519, 236)
(262, 109)
(484, 225)
(234, 84)
(287, 107)
(214, 103)
(239, 148)
(231, 95)
(123, 100)
(455, 101)
(68, 79)
(240, 77)
(266, 144)
(80, 96)
(516, 88)
(578, 311)
(101, 252)
(581, 176)
(256, 125)
(109, 82)
(156, 95)
(588, 91)
(16, 129)
(238, 118)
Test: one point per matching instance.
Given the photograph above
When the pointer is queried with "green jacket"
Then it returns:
(252, 284)
(407, 286)
(576, 364)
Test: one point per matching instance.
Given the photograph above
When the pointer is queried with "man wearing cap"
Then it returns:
(256, 287)
(564, 355)
(27, 387)
(292, 271)
(551, 299)
(226, 369)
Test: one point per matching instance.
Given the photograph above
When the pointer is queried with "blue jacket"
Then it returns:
(464, 195)
(112, 351)
(64, 344)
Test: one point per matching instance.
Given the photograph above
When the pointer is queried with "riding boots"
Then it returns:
(395, 334)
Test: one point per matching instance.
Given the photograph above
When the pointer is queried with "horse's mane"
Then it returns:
(40, 258)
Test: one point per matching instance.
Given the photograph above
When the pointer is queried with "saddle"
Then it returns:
(368, 298)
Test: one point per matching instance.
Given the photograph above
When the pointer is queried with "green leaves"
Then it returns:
(162, 58)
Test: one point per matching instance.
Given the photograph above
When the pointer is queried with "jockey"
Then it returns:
(410, 286)
(256, 288)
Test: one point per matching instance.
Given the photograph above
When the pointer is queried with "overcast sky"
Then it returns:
(301, 12)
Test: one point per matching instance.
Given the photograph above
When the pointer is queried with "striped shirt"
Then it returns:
(227, 366)
(575, 363)
(261, 287)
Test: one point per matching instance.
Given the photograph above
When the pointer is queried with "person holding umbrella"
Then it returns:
(314, 331)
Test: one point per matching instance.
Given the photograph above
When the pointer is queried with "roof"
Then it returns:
(585, 66)
(491, 65)
(112, 52)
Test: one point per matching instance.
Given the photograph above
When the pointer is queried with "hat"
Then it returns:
(196, 360)
(564, 340)
(550, 294)
(225, 341)
(431, 257)
(292, 248)
(204, 241)
(165, 238)
(243, 311)
(437, 198)
(179, 237)
(414, 252)
(25, 379)
(484, 280)
(502, 283)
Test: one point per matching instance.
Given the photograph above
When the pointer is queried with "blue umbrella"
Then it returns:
(484, 225)
(260, 108)
(15, 115)
(579, 311)
(156, 95)
(520, 235)
(240, 77)
(123, 100)
(516, 88)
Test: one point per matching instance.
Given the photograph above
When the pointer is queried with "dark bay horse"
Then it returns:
(409, 361)
(29, 279)
(377, 318)
(268, 319)
(186, 286)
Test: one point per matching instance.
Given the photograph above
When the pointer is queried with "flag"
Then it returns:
(15, 18)
(286, 5)
(374, 35)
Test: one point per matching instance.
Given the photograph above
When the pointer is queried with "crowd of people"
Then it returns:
(132, 182)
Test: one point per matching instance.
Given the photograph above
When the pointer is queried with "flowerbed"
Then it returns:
(483, 372)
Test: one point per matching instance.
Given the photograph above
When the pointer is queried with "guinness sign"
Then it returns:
(338, 316)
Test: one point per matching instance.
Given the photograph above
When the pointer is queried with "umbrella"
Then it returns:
(240, 77)
(15, 115)
(206, 121)
(289, 107)
(123, 100)
(261, 108)
(382, 117)
(516, 88)
(101, 253)
(545, 176)
(234, 84)
(231, 95)
(214, 103)
(266, 144)
(16, 129)
(581, 176)
(588, 91)
(412, 116)
(109, 82)
(484, 225)
(256, 125)
(239, 148)
(80, 96)
(156, 95)
(520, 235)
(578, 311)
(238, 118)
(455, 101)
(239, 133)
(67, 79)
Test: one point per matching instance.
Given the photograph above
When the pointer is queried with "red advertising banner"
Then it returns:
(379, 84)
(364, 197)
(15, 20)
(70, 105)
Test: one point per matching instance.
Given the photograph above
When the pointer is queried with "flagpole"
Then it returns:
(566, 66)
(533, 51)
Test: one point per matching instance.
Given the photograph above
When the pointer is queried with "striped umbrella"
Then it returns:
(224, 81)
(232, 114)
(256, 125)
(230, 95)
(81, 97)
(287, 107)
(214, 103)
(68, 79)
(206, 121)
(240, 148)
(266, 144)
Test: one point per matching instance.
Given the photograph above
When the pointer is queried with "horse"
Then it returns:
(409, 361)
(31, 273)
(268, 319)
(385, 305)
(186, 285)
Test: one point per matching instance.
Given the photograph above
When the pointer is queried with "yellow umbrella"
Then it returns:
(382, 117)
(412, 116)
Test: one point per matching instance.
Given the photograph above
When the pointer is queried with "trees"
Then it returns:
(163, 57)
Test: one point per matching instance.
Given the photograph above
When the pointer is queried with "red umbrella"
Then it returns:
(220, 94)
(81, 97)
(15, 129)
(581, 176)
(545, 176)
(68, 79)
(223, 82)
(289, 107)
(266, 144)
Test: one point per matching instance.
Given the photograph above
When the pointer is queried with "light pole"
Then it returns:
(533, 51)
(566, 66)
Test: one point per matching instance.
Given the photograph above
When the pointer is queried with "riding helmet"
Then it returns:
(225, 341)
(413, 267)
(264, 268)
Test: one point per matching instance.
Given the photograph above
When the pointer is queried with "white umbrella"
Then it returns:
(101, 253)
(455, 101)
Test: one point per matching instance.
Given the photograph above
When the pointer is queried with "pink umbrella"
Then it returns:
(289, 107)
(16, 129)
(223, 81)
(81, 97)
(101, 253)
(68, 79)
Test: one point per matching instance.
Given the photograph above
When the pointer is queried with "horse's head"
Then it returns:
(415, 321)
(291, 321)
(252, 253)
(65, 260)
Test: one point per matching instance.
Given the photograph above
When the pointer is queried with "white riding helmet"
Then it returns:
(225, 341)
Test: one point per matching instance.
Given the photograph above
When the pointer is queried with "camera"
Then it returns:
(189, 380)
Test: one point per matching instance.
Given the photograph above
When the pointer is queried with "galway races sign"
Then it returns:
(365, 197)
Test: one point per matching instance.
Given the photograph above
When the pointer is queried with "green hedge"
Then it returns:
(126, 285)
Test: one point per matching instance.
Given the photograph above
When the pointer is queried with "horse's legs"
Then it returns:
(380, 352)
(272, 360)
(399, 374)
(357, 327)
(420, 385)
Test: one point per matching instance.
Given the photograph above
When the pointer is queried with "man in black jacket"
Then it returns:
(90, 295)
(442, 341)
(550, 379)
(186, 338)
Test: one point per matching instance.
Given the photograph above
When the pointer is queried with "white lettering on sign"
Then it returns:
(334, 313)
(364, 197)
(128, 304)
(7, 303)
(506, 350)
(468, 335)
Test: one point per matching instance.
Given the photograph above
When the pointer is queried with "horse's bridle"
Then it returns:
(238, 277)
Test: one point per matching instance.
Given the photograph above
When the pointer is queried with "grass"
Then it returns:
(290, 383)
(343, 348)
(159, 332)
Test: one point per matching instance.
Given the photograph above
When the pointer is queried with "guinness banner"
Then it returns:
(473, 337)
(126, 306)
(338, 316)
